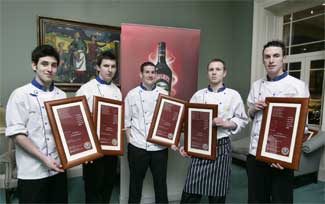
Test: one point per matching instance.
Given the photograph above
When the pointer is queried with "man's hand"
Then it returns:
(258, 106)
(89, 162)
(227, 124)
(277, 165)
(174, 147)
(182, 152)
(53, 164)
(28, 145)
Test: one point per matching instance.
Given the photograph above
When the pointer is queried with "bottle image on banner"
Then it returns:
(164, 73)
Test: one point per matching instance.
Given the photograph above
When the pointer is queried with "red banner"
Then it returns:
(175, 52)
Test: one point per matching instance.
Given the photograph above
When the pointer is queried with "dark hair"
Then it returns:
(275, 43)
(147, 64)
(108, 55)
(44, 51)
(105, 55)
(217, 60)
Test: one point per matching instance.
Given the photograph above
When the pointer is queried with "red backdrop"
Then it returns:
(139, 43)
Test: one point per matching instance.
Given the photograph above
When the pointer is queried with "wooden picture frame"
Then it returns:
(73, 130)
(111, 136)
(200, 139)
(282, 131)
(78, 44)
(167, 122)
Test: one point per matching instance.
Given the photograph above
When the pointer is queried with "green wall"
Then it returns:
(226, 31)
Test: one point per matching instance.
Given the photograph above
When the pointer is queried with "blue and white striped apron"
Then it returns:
(208, 177)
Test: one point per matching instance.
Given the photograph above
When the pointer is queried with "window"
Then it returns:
(303, 31)
(304, 37)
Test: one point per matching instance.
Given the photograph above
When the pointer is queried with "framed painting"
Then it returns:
(78, 44)
(167, 122)
(282, 131)
(73, 130)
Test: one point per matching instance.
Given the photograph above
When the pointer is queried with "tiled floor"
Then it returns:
(312, 193)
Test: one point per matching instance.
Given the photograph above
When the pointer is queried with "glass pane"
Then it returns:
(315, 88)
(316, 83)
(317, 64)
(309, 12)
(309, 30)
(294, 66)
(295, 74)
(286, 34)
(308, 48)
(314, 111)
(286, 18)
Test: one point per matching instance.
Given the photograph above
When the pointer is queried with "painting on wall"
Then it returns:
(78, 44)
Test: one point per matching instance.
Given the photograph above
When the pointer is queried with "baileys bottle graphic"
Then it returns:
(164, 73)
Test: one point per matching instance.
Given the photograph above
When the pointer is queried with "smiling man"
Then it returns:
(99, 176)
(270, 183)
(41, 178)
(140, 104)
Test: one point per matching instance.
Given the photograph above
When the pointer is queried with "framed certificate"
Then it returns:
(167, 121)
(282, 131)
(73, 131)
(108, 117)
(200, 136)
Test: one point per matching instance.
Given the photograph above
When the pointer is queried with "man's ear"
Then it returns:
(224, 73)
(285, 59)
(97, 68)
(34, 66)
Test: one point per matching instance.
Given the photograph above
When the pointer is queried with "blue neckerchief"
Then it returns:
(278, 77)
(103, 81)
(219, 90)
(144, 88)
(42, 87)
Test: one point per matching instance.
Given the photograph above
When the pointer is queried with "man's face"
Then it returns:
(216, 73)
(45, 69)
(148, 76)
(273, 61)
(107, 69)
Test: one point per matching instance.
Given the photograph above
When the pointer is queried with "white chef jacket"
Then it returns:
(139, 109)
(99, 87)
(230, 107)
(282, 86)
(26, 115)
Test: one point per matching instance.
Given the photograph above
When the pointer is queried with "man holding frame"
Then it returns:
(99, 175)
(211, 177)
(270, 183)
(41, 178)
(140, 104)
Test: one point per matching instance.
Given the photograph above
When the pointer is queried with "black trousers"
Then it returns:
(139, 161)
(195, 198)
(52, 189)
(267, 184)
(99, 178)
